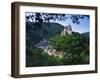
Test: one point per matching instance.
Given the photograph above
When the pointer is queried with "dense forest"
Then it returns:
(75, 47)
(45, 46)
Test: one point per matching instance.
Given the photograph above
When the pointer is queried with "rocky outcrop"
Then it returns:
(43, 44)
(52, 52)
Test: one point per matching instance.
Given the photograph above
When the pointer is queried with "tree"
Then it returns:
(75, 48)
(47, 17)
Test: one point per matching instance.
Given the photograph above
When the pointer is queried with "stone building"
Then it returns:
(67, 30)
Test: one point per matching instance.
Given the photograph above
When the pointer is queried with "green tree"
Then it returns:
(75, 48)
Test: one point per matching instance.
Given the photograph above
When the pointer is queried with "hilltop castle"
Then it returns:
(67, 30)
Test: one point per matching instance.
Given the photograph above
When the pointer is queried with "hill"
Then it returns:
(86, 34)
(36, 32)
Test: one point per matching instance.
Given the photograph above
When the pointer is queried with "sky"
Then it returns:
(81, 28)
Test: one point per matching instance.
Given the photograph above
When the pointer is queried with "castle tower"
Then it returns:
(67, 30)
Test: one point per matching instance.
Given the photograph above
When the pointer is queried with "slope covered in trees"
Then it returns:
(35, 33)
(75, 47)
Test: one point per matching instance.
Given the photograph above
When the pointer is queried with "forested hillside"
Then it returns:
(74, 47)
(36, 32)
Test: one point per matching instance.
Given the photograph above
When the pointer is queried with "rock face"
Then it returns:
(67, 30)
(52, 52)
(43, 44)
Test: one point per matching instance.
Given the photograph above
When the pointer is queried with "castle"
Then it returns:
(43, 44)
(67, 30)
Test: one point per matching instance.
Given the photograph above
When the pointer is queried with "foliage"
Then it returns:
(47, 17)
(37, 57)
(76, 18)
(34, 33)
(75, 48)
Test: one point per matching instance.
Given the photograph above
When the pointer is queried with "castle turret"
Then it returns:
(67, 30)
